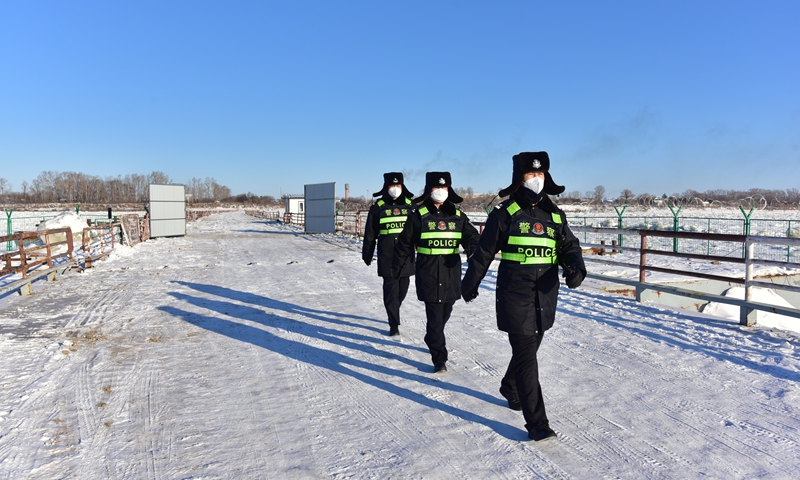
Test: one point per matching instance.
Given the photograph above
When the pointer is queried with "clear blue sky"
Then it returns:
(654, 96)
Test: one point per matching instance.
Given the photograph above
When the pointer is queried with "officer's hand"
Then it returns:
(470, 296)
(574, 277)
(367, 260)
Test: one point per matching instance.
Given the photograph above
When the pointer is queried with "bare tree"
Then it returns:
(599, 193)
(160, 178)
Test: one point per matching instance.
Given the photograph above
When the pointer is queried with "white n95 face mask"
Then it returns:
(395, 192)
(535, 184)
(439, 195)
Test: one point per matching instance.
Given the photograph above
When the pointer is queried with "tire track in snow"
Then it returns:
(97, 308)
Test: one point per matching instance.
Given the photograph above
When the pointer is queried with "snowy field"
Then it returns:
(249, 350)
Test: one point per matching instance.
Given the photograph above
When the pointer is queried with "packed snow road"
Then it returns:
(249, 350)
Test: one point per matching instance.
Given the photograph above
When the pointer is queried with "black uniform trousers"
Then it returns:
(522, 375)
(437, 314)
(394, 292)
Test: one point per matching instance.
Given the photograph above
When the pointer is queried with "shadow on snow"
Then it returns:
(647, 324)
(322, 357)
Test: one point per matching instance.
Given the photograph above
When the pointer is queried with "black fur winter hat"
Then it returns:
(526, 162)
(438, 179)
(393, 178)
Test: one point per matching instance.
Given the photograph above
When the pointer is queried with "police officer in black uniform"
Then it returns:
(436, 228)
(385, 221)
(532, 234)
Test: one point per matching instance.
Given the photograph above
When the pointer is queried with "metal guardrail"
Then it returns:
(747, 307)
(266, 215)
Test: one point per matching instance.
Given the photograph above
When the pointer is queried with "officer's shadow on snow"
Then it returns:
(266, 302)
(336, 336)
(661, 332)
(272, 232)
(325, 358)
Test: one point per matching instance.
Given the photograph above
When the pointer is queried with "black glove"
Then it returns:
(574, 277)
(470, 296)
(367, 260)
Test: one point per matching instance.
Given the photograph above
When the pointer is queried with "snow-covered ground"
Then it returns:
(249, 350)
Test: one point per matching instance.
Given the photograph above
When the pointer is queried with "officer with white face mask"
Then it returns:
(437, 229)
(385, 221)
(533, 238)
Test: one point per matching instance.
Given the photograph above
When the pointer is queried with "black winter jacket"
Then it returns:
(438, 277)
(526, 294)
(386, 242)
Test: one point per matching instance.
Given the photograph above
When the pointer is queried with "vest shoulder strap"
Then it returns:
(513, 208)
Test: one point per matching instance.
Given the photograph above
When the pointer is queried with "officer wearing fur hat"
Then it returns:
(436, 228)
(385, 221)
(532, 234)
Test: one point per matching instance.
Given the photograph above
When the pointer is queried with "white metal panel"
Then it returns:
(320, 207)
(167, 193)
(167, 210)
(167, 228)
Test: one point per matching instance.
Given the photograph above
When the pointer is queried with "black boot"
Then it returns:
(513, 398)
(541, 432)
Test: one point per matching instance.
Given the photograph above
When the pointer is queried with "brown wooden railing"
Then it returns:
(29, 260)
(98, 241)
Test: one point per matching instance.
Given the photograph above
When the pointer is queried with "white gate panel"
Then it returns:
(167, 210)
(321, 208)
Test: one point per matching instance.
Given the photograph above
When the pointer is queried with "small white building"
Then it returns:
(294, 203)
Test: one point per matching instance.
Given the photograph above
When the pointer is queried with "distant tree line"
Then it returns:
(80, 188)
(472, 201)
(758, 197)
(73, 187)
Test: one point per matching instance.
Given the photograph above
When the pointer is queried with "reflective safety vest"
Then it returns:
(439, 235)
(531, 241)
(393, 217)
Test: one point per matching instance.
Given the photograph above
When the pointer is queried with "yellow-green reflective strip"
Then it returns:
(513, 208)
(393, 219)
(522, 259)
(425, 235)
(391, 231)
(556, 217)
(423, 211)
(380, 203)
(437, 251)
(535, 241)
